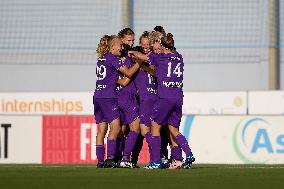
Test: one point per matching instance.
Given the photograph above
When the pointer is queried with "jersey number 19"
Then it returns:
(101, 72)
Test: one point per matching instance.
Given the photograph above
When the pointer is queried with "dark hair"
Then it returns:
(125, 49)
(145, 34)
(138, 48)
(125, 31)
(160, 29)
(168, 41)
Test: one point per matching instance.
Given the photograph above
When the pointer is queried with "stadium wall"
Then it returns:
(222, 127)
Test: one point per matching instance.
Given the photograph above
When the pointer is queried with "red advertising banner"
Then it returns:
(69, 140)
(72, 140)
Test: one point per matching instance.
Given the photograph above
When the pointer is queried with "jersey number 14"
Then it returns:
(177, 71)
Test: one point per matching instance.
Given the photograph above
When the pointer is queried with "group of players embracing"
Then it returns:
(139, 95)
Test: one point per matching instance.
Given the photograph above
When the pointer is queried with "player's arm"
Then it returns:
(138, 55)
(129, 72)
(124, 81)
(150, 69)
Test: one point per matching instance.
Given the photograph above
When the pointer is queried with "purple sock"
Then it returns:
(148, 137)
(111, 146)
(100, 150)
(129, 144)
(119, 148)
(182, 142)
(176, 153)
(156, 147)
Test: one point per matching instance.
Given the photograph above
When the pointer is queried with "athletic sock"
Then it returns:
(100, 151)
(129, 144)
(182, 142)
(111, 146)
(156, 147)
(148, 137)
(176, 153)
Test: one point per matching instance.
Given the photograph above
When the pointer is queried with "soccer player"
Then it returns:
(168, 109)
(128, 105)
(102, 128)
(146, 85)
(176, 159)
(147, 92)
(105, 96)
(127, 37)
(160, 29)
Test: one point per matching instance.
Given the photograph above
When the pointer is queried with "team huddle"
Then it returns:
(139, 95)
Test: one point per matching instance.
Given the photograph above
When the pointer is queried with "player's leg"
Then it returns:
(130, 143)
(174, 123)
(164, 146)
(101, 132)
(120, 142)
(183, 144)
(131, 112)
(156, 141)
(110, 111)
(146, 132)
(111, 143)
(176, 154)
(100, 149)
(161, 111)
(146, 107)
(176, 151)
(136, 150)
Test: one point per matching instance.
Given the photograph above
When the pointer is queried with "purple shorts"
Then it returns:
(105, 109)
(168, 111)
(146, 108)
(128, 108)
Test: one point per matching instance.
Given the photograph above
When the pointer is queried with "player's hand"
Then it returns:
(139, 62)
(131, 53)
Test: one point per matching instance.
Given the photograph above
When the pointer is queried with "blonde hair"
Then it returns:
(154, 37)
(112, 40)
(103, 46)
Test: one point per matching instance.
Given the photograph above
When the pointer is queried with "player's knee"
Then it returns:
(101, 131)
(144, 129)
(156, 131)
(115, 130)
(173, 131)
(135, 126)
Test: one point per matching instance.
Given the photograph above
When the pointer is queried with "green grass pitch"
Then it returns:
(88, 176)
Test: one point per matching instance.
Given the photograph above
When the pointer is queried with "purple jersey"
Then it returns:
(107, 76)
(146, 84)
(130, 88)
(169, 72)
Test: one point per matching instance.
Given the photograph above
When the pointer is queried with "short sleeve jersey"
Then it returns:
(169, 71)
(130, 88)
(146, 84)
(107, 75)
